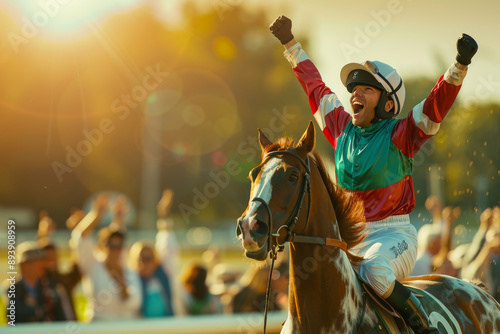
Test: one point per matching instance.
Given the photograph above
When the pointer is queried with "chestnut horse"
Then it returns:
(293, 200)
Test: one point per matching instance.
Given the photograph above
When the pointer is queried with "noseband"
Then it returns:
(294, 216)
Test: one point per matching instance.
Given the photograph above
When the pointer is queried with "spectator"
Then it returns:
(112, 290)
(197, 299)
(429, 243)
(441, 262)
(61, 285)
(434, 240)
(485, 266)
(156, 284)
(167, 248)
(222, 278)
(166, 244)
(434, 205)
(33, 300)
(479, 239)
(250, 296)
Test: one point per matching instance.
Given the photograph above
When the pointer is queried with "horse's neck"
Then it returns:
(324, 292)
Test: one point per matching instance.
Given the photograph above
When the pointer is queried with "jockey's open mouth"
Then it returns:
(357, 106)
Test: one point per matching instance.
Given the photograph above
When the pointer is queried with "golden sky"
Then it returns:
(415, 37)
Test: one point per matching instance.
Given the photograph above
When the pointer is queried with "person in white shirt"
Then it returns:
(113, 291)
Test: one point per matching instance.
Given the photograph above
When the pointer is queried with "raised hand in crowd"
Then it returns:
(479, 239)
(434, 205)
(441, 262)
(46, 225)
(119, 210)
(486, 265)
(75, 217)
(165, 204)
(163, 209)
(91, 220)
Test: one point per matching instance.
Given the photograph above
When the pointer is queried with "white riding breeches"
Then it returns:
(389, 252)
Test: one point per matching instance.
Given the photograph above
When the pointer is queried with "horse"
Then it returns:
(325, 294)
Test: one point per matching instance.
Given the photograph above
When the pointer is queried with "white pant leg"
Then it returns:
(390, 252)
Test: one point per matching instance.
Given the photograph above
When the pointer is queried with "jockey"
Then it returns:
(374, 157)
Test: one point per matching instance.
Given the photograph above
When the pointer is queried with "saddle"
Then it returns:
(389, 320)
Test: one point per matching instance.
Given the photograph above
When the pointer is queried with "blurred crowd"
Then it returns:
(142, 281)
(477, 261)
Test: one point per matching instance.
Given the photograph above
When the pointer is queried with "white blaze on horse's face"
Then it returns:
(263, 189)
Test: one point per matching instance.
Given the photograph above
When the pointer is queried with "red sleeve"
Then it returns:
(325, 106)
(424, 120)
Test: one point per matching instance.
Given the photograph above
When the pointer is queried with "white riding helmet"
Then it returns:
(387, 79)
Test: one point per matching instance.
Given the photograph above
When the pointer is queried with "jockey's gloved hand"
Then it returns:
(281, 28)
(466, 49)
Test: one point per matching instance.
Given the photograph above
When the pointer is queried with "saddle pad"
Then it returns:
(438, 314)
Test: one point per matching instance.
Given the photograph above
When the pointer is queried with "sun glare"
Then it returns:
(65, 21)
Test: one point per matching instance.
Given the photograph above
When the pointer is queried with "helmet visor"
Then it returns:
(361, 77)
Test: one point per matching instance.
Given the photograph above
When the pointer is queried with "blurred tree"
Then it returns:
(462, 151)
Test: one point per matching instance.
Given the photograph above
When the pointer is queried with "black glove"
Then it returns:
(466, 49)
(281, 28)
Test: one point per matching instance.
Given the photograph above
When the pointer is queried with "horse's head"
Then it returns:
(280, 185)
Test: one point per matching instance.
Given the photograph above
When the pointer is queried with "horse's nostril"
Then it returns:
(239, 229)
(259, 229)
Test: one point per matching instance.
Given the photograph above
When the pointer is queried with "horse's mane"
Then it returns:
(349, 210)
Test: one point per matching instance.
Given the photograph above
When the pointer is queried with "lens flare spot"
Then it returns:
(199, 236)
(219, 158)
(180, 149)
(193, 114)
(224, 48)
(151, 98)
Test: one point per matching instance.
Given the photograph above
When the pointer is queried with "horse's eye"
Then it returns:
(254, 173)
(292, 178)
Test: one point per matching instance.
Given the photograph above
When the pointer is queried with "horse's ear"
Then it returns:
(263, 140)
(308, 139)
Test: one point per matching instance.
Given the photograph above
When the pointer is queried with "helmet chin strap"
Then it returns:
(380, 112)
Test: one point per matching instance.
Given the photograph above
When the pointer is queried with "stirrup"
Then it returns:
(410, 308)
(415, 316)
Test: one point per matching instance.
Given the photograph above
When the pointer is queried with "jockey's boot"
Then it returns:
(403, 301)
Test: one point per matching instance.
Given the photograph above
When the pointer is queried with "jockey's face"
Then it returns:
(364, 99)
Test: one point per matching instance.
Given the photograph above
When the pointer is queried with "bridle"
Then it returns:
(288, 226)
(290, 236)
